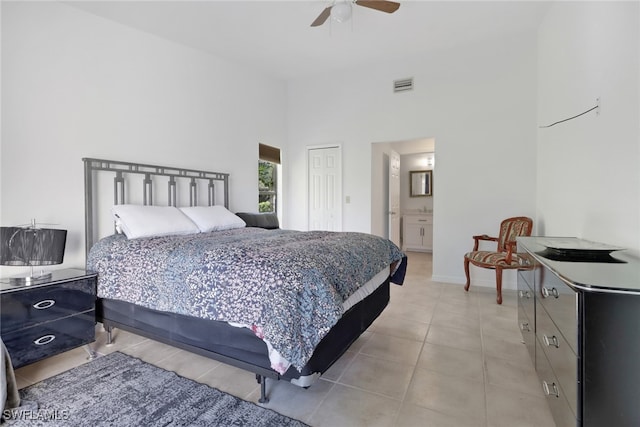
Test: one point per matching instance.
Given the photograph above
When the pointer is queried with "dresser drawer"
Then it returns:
(418, 219)
(526, 299)
(35, 343)
(563, 360)
(526, 276)
(29, 307)
(526, 316)
(561, 303)
(528, 334)
(558, 403)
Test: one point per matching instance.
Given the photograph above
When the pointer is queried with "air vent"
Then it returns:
(403, 85)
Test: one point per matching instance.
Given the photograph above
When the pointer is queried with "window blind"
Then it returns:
(269, 154)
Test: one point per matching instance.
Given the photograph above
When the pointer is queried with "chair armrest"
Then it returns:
(510, 246)
(477, 239)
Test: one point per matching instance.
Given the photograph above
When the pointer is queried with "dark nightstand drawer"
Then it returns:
(32, 306)
(35, 343)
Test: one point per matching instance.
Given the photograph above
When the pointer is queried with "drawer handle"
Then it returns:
(525, 327)
(550, 391)
(43, 340)
(44, 304)
(553, 341)
(525, 294)
(553, 292)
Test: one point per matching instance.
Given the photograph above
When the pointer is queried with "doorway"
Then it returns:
(394, 198)
(324, 166)
(380, 188)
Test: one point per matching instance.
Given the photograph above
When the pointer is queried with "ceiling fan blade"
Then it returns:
(383, 6)
(322, 17)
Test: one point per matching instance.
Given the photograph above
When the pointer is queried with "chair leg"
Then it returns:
(466, 272)
(499, 285)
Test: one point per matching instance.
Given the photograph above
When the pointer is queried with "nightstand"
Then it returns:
(45, 319)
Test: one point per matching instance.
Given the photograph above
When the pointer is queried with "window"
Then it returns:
(267, 186)
(268, 178)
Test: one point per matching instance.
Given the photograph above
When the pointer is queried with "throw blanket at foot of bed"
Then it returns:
(288, 286)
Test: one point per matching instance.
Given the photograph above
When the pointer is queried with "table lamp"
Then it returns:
(31, 246)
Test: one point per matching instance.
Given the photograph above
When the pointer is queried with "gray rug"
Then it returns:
(121, 390)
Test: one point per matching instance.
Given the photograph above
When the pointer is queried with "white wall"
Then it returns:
(589, 168)
(478, 102)
(75, 85)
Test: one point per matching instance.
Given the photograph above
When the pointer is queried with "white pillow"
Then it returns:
(148, 221)
(213, 218)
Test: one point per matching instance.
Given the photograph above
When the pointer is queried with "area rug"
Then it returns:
(121, 390)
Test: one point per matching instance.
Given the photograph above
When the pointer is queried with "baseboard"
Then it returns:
(461, 280)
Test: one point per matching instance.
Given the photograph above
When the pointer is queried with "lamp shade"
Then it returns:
(31, 246)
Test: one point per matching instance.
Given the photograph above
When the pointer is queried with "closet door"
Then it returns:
(325, 189)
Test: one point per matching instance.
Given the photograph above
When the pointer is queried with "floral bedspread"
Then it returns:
(287, 286)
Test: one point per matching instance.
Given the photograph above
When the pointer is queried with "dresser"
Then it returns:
(417, 232)
(45, 319)
(579, 314)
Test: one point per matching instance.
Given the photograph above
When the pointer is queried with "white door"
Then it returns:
(394, 197)
(325, 189)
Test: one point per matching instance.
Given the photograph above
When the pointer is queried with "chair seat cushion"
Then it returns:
(493, 259)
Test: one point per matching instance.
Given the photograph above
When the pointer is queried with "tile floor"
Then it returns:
(437, 356)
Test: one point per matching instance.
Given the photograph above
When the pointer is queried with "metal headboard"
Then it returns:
(123, 170)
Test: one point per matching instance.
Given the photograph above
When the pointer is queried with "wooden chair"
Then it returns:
(505, 257)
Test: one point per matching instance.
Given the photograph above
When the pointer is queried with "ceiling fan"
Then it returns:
(341, 10)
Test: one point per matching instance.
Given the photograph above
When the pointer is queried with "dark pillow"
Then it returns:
(266, 220)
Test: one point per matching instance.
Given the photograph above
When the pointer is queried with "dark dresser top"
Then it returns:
(6, 285)
(611, 269)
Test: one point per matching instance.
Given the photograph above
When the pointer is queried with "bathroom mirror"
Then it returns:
(420, 183)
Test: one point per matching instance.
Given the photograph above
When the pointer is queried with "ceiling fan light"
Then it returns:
(341, 12)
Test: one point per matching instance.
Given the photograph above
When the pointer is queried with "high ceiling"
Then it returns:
(276, 38)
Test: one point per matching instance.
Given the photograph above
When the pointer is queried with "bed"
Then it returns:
(282, 304)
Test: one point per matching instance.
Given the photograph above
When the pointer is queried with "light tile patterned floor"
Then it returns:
(437, 356)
